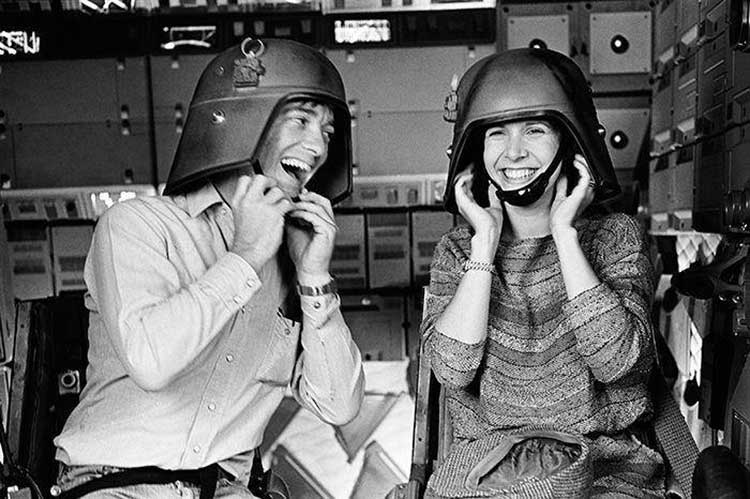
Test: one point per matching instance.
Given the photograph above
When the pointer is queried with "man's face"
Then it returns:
(516, 152)
(297, 144)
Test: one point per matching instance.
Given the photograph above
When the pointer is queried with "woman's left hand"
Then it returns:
(566, 208)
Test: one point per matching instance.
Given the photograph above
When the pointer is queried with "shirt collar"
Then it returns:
(198, 201)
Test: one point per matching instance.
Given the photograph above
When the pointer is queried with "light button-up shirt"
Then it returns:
(190, 351)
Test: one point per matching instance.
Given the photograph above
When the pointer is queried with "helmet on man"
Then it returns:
(237, 99)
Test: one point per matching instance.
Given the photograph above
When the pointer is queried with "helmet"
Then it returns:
(523, 84)
(237, 99)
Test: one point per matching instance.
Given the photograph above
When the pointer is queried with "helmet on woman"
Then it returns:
(520, 84)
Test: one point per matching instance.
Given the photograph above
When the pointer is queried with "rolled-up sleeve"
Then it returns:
(328, 378)
(157, 325)
(612, 321)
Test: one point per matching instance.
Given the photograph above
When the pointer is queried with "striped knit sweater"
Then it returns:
(579, 365)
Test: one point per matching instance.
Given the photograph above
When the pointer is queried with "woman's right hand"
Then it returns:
(486, 222)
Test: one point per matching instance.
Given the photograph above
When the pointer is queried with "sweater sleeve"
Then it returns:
(454, 363)
(612, 321)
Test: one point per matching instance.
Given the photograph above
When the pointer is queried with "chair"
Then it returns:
(433, 435)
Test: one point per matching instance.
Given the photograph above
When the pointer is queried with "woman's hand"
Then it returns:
(566, 208)
(486, 222)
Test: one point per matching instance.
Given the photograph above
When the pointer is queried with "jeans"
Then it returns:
(72, 476)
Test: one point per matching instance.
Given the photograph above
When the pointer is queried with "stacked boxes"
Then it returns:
(30, 258)
(70, 245)
(388, 249)
(673, 133)
(427, 229)
(49, 233)
(377, 325)
(349, 263)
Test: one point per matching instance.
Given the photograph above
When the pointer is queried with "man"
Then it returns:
(197, 325)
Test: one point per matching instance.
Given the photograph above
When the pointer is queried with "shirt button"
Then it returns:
(230, 357)
(287, 332)
(250, 283)
(316, 305)
(197, 449)
(211, 406)
(237, 299)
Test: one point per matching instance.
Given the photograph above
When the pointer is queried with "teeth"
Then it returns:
(296, 164)
(518, 173)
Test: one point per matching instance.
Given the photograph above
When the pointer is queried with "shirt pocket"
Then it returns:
(277, 365)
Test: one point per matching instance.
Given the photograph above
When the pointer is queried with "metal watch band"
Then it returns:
(483, 266)
(327, 288)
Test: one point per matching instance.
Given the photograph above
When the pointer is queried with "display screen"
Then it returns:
(351, 31)
(107, 6)
(19, 42)
(198, 36)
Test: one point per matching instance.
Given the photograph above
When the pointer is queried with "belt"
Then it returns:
(205, 478)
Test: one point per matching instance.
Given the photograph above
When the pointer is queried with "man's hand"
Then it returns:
(258, 206)
(311, 242)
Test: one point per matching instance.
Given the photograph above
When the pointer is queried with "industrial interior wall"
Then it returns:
(85, 122)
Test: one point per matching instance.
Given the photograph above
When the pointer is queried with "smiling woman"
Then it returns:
(537, 317)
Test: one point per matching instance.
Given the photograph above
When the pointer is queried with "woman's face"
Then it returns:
(516, 152)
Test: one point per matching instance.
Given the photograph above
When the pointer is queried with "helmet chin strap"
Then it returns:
(530, 193)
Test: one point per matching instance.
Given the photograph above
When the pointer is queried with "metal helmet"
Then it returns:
(526, 83)
(236, 101)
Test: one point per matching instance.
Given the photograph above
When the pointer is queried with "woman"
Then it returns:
(537, 315)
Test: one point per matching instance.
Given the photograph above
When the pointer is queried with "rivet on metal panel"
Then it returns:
(218, 117)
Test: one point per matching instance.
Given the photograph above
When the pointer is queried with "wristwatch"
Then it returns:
(327, 288)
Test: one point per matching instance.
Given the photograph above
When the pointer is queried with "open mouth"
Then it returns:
(296, 168)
